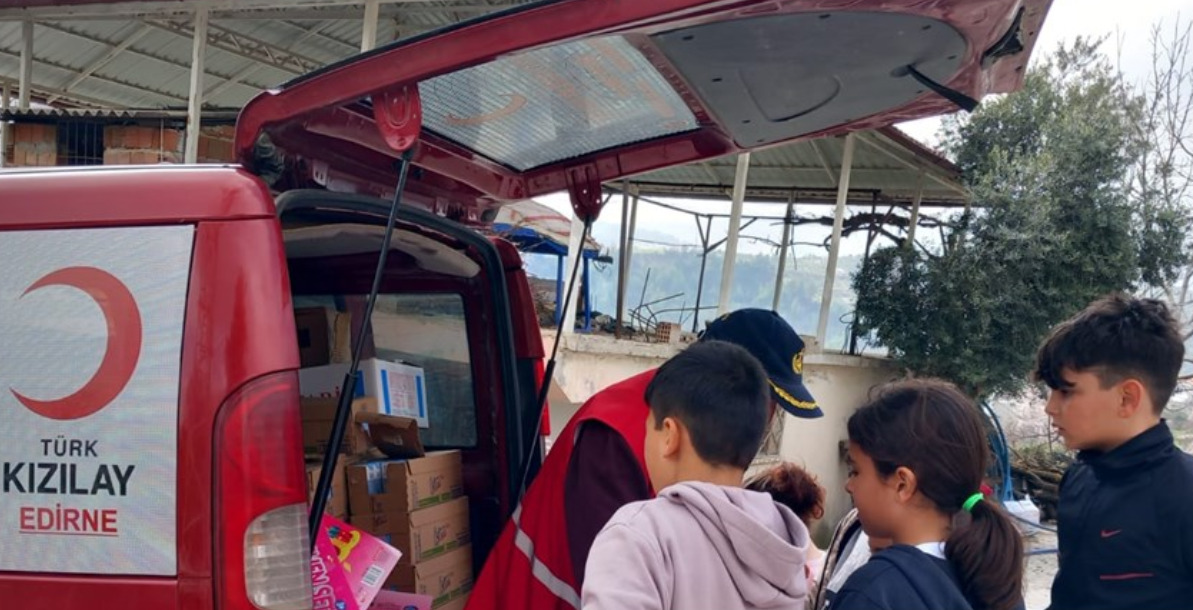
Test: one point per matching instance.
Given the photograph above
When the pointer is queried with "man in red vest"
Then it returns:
(596, 466)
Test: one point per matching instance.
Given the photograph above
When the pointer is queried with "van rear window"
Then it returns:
(428, 331)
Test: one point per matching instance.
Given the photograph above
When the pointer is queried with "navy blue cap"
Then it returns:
(778, 347)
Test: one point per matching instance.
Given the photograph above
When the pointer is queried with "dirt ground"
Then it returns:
(1040, 569)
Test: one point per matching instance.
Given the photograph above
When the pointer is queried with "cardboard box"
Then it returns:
(337, 500)
(423, 534)
(396, 437)
(400, 389)
(447, 578)
(318, 416)
(314, 337)
(401, 486)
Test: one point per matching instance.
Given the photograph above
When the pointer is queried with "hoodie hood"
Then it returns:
(762, 544)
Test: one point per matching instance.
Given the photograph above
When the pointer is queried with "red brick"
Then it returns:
(172, 140)
(143, 157)
(30, 133)
(113, 136)
(116, 157)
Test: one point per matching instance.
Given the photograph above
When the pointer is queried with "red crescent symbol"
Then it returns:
(123, 350)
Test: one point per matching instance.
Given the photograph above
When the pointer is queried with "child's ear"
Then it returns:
(1134, 398)
(904, 483)
(671, 438)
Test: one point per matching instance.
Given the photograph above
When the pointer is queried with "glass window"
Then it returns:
(555, 103)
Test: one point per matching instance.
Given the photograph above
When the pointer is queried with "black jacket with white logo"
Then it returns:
(1126, 527)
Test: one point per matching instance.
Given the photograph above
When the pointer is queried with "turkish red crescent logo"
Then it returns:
(123, 349)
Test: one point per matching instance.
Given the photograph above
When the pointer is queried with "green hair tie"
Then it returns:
(971, 501)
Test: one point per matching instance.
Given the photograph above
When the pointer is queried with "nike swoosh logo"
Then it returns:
(1110, 533)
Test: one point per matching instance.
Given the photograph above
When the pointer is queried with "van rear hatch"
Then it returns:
(567, 94)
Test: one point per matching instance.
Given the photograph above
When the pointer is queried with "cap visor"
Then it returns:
(795, 398)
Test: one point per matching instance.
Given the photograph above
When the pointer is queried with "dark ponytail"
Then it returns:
(987, 552)
(931, 428)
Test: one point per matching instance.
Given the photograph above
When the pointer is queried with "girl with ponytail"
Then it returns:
(917, 454)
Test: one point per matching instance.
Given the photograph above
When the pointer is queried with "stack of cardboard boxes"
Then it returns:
(418, 506)
(415, 504)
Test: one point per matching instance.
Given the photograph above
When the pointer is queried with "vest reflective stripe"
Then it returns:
(530, 566)
(541, 572)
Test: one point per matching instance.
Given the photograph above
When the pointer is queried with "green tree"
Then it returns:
(1053, 228)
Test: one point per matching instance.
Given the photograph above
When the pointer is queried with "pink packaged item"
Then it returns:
(349, 566)
(392, 600)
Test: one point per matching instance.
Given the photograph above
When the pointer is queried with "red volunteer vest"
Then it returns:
(531, 565)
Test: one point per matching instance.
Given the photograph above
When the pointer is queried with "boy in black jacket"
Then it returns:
(1126, 505)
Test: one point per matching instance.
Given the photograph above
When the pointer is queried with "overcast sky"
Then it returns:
(1127, 24)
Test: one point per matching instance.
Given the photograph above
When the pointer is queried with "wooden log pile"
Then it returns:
(1037, 472)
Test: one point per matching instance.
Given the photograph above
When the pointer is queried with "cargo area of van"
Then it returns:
(418, 464)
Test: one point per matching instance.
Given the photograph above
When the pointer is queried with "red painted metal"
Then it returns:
(314, 104)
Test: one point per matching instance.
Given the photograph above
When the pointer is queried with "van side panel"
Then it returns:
(239, 326)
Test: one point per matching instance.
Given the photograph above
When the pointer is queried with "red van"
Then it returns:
(150, 452)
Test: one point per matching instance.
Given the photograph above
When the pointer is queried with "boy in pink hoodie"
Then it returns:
(704, 542)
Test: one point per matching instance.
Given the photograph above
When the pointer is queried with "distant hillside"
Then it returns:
(675, 271)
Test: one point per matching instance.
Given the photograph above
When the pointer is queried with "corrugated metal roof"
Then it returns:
(115, 114)
(153, 71)
(886, 168)
(75, 65)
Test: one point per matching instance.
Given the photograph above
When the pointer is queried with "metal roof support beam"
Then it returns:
(621, 248)
(629, 240)
(26, 74)
(76, 98)
(194, 109)
(824, 163)
(219, 9)
(236, 79)
(125, 46)
(915, 211)
(104, 59)
(247, 47)
(107, 79)
(883, 148)
(830, 273)
(788, 219)
(739, 199)
(575, 253)
(368, 29)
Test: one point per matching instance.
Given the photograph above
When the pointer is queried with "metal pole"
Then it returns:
(575, 249)
(830, 273)
(915, 210)
(783, 251)
(705, 234)
(194, 111)
(559, 290)
(629, 242)
(5, 103)
(739, 198)
(368, 31)
(26, 76)
(622, 270)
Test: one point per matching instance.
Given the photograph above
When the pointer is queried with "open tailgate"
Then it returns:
(566, 94)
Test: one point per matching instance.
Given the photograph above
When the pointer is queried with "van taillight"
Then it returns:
(262, 547)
